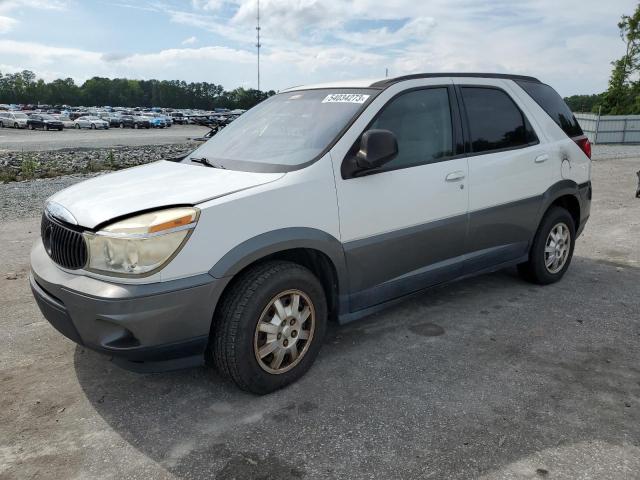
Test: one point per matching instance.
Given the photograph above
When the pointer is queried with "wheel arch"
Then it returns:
(314, 249)
(565, 194)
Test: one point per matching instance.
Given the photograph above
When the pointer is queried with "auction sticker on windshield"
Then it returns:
(345, 98)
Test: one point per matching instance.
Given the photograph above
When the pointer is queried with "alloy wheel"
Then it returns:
(557, 246)
(284, 331)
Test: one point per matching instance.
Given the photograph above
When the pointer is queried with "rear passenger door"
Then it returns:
(403, 225)
(509, 171)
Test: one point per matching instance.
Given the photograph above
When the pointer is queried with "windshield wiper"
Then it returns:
(205, 161)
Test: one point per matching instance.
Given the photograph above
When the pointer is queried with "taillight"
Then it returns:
(584, 144)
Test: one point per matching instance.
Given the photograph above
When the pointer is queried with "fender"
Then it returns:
(582, 193)
(275, 241)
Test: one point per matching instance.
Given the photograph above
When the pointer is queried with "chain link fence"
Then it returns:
(610, 128)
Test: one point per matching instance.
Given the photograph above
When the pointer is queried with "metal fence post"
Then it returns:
(595, 135)
(624, 130)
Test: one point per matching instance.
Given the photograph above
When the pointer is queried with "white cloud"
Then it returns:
(189, 41)
(209, 5)
(7, 24)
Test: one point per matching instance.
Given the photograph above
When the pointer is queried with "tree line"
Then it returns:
(623, 93)
(25, 88)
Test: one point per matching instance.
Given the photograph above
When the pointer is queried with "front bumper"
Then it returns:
(143, 322)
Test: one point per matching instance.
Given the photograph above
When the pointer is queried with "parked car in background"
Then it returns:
(155, 121)
(43, 121)
(91, 122)
(167, 120)
(13, 119)
(133, 121)
(179, 118)
(66, 121)
(113, 119)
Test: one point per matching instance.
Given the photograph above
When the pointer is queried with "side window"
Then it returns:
(421, 121)
(495, 121)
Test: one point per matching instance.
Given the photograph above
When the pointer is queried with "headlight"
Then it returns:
(140, 245)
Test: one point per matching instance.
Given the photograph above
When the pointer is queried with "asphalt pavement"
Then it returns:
(12, 139)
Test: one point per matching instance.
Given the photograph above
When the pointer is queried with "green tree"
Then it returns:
(620, 97)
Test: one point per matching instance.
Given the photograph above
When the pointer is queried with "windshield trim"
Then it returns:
(260, 167)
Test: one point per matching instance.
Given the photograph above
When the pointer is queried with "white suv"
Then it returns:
(322, 202)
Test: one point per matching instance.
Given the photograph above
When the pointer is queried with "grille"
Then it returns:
(65, 246)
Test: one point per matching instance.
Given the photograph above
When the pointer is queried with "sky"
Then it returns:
(566, 43)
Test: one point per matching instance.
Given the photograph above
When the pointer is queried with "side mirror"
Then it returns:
(377, 147)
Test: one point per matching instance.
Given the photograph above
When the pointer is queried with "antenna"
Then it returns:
(386, 73)
(258, 44)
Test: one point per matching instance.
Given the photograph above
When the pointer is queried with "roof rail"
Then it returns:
(390, 81)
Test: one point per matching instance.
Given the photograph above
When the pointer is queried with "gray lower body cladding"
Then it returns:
(153, 322)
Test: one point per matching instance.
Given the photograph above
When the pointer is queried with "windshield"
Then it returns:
(285, 131)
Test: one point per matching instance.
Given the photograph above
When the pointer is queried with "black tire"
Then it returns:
(535, 270)
(15, 125)
(93, 126)
(46, 128)
(30, 126)
(135, 125)
(122, 125)
(237, 316)
(77, 126)
(1, 125)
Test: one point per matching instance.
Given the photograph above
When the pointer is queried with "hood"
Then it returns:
(150, 186)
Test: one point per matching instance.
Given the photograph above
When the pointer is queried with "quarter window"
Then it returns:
(421, 121)
(495, 121)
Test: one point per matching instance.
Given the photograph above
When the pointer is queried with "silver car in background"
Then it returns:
(66, 121)
(91, 122)
(13, 119)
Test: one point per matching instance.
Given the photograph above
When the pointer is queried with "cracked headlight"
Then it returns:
(140, 245)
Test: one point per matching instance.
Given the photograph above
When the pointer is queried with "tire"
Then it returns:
(93, 126)
(135, 125)
(77, 126)
(45, 128)
(1, 125)
(122, 125)
(30, 126)
(536, 270)
(15, 125)
(236, 341)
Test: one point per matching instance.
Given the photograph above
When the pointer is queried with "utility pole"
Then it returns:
(258, 45)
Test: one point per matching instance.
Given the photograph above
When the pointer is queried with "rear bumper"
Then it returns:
(141, 323)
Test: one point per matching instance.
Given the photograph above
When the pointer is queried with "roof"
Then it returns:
(383, 83)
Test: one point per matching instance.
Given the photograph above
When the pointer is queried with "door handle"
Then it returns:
(542, 158)
(455, 176)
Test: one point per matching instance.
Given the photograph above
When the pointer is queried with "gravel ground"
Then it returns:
(524, 382)
(29, 141)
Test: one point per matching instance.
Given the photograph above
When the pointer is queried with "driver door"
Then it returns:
(404, 226)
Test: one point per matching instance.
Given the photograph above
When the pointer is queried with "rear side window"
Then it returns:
(552, 103)
(421, 121)
(495, 121)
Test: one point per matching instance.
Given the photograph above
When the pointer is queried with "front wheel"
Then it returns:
(77, 126)
(135, 125)
(552, 248)
(30, 126)
(93, 126)
(268, 328)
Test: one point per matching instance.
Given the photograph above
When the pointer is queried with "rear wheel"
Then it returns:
(30, 126)
(77, 126)
(552, 248)
(46, 128)
(135, 125)
(15, 125)
(268, 328)
(93, 126)
(121, 125)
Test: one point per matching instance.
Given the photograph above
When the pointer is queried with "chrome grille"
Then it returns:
(64, 245)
